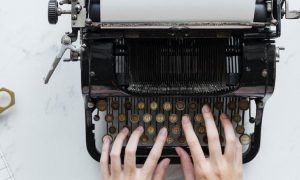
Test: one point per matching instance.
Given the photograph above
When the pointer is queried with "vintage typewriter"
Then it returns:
(153, 73)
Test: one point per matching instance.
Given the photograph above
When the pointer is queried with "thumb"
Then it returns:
(161, 169)
(186, 164)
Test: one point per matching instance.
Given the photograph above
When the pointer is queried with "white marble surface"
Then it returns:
(43, 135)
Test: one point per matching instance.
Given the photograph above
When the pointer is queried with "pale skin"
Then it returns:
(218, 166)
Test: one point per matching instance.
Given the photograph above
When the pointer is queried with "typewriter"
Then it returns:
(153, 73)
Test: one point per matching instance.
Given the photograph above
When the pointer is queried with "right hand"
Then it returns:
(217, 166)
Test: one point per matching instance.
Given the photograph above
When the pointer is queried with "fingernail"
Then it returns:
(125, 130)
(166, 163)
(177, 149)
(185, 119)
(163, 132)
(140, 129)
(224, 116)
(206, 109)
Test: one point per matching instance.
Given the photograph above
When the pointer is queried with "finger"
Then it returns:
(230, 148)
(155, 152)
(239, 152)
(130, 151)
(193, 142)
(116, 152)
(161, 169)
(186, 164)
(214, 145)
(105, 157)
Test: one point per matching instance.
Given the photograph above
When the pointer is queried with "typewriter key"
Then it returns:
(219, 105)
(150, 129)
(141, 105)
(237, 118)
(176, 130)
(170, 140)
(231, 105)
(173, 118)
(115, 105)
(193, 106)
(134, 118)
(122, 117)
(180, 105)
(181, 140)
(96, 117)
(109, 118)
(160, 118)
(112, 130)
(144, 139)
(167, 106)
(240, 129)
(101, 105)
(245, 139)
(199, 118)
(244, 104)
(201, 130)
(147, 118)
(127, 105)
(153, 105)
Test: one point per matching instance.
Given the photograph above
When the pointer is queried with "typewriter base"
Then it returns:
(169, 151)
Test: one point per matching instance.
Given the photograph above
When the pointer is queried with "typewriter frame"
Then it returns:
(258, 40)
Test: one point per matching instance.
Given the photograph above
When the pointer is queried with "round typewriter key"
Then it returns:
(147, 118)
(160, 118)
(167, 106)
(115, 105)
(181, 140)
(101, 105)
(237, 118)
(170, 140)
(134, 118)
(150, 129)
(193, 106)
(199, 118)
(219, 105)
(109, 118)
(201, 130)
(205, 139)
(144, 139)
(153, 105)
(252, 120)
(180, 105)
(176, 130)
(244, 104)
(240, 129)
(245, 139)
(231, 105)
(112, 130)
(128, 105)
(141, 105)
(122, 117)
(173, 118)
(96, 117)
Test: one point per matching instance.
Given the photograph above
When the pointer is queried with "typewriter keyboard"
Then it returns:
(112, 114)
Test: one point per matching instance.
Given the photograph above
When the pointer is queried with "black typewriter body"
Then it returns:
(152, 77)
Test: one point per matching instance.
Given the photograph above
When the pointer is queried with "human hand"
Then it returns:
(129, 171)
(217, 166)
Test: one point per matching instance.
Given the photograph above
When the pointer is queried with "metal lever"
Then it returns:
(66, 44)
(289, 14)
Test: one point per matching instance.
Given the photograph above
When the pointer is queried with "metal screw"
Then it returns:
(260, 105)
(74, 17)
(90, 105)
(88, 21)
(264, 73)
(92, 73)
(78, 8)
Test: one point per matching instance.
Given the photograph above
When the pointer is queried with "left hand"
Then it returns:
(150, 170)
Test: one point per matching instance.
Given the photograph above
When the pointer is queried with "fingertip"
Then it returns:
(185, 120)
(166, 162)
(224, 116)
(178, 151)
(206, 109)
